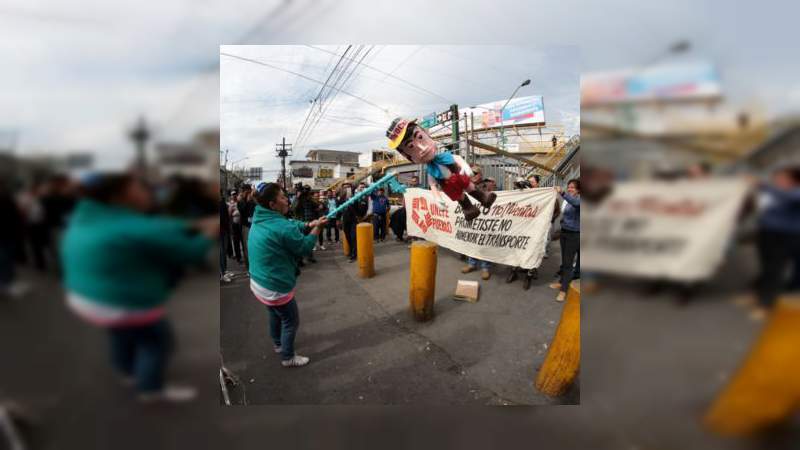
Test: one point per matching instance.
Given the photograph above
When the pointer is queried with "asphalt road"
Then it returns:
(365, 348)
(650, 369)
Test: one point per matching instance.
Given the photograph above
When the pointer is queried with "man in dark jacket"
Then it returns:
(246, 207)
(350, 218)
(778, 235)
(380, 206)
(307, 210)
(224, 238)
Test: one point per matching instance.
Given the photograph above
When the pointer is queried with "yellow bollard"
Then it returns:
(766, 389)
(563, 358)
(423, 280)
(345, 244)
(366, 260)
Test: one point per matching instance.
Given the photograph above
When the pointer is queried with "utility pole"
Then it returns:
(282, 151)
(455, 120)
(466, 132)
(472, 136)
(140, 135)
(225, 171)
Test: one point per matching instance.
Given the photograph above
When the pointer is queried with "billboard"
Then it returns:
(665, 82)
(519, 111)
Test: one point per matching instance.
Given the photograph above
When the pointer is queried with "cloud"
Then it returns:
(262, 104)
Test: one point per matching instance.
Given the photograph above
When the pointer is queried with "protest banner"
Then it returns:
(667, 230)
(513, 232)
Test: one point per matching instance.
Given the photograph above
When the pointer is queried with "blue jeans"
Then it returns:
(475, 262)
(350, 235)
(379, 226)
(283, 323)
(142, 352)
(570, 252)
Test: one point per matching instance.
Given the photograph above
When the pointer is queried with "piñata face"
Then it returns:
(419, 146)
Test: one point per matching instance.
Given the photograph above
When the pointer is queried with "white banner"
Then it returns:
(669, 230)
(514, 231)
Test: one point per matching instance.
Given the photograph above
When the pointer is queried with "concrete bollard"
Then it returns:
(345, 244)
(563, 358)
(766, 389)
(366, 259)
(422, 286)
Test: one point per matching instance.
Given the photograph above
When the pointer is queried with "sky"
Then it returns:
(77, 74)
(260, 105)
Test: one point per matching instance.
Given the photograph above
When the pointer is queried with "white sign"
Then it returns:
(513, 232)
(668, 230)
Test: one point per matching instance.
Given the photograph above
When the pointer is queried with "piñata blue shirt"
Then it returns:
(444, 159)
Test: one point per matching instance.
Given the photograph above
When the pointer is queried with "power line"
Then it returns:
(384, 110)
(350, 78)
(317, 98)
(325, 96)
(395, 77)
(343, 84)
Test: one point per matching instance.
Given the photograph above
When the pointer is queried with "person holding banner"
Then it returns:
(486, 186)
(570, 235)
(778, 235)
(275, 246)
(533, 273)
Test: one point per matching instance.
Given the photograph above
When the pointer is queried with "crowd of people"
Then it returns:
(34, 221)
(285, 228)
(236, 212)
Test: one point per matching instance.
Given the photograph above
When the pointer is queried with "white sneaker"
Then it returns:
(170, 394)
(314, 249)
(297, 361)
(322, 247)
(276, 349)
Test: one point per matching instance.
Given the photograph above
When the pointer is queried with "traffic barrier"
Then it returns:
(422, 285)
(562, 363)
(766, 389)
(366, 259)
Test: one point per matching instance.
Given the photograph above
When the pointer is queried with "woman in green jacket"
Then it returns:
(275, 246)
(119, 270)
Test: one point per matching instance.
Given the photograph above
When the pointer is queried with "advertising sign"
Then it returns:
(666, 82)
(519, 111)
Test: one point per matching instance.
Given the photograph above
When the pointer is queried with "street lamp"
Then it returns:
(502, 130)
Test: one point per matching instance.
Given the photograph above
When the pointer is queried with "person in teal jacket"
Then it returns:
(119, 270)
(275, 246)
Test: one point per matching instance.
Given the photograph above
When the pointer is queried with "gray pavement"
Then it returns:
(650, 369)
(365, 347)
